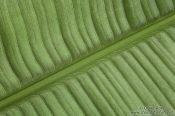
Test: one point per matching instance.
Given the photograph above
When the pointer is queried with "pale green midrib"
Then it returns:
(128, 41)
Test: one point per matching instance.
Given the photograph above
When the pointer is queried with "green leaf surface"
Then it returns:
(86, 57)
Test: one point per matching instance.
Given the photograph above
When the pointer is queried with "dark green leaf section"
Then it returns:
(40, 37)
(116, 85)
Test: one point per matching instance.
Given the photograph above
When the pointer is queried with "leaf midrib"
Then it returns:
(125, 42)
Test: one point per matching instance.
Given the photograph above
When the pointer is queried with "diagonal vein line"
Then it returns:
(126, 42)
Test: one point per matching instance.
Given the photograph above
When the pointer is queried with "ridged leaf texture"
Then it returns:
(86, 57)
